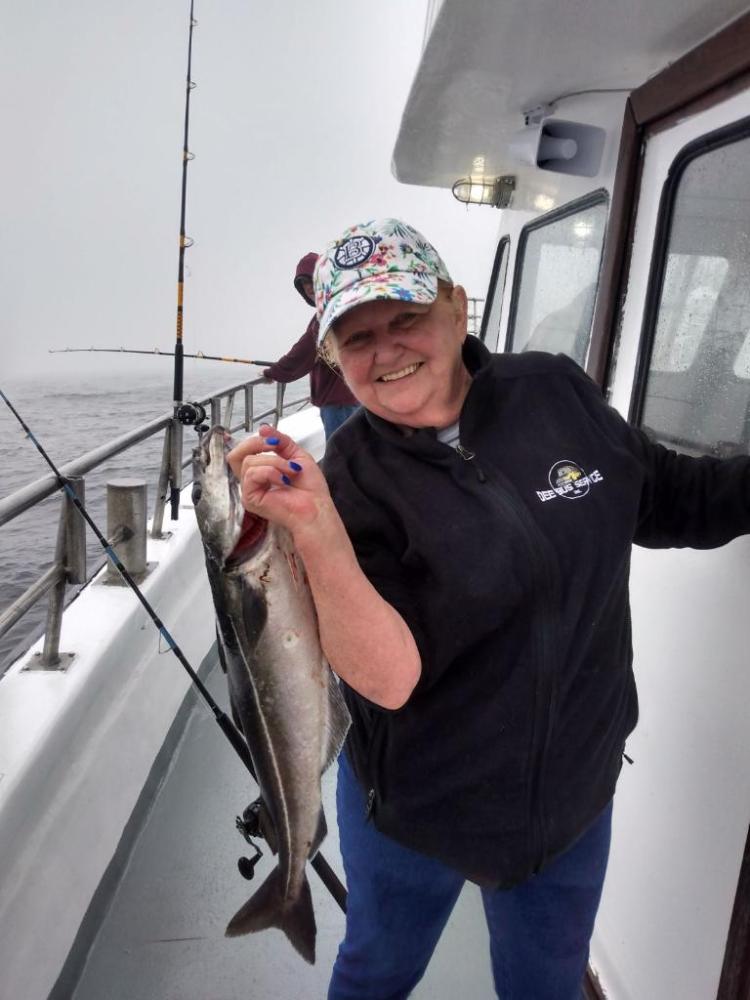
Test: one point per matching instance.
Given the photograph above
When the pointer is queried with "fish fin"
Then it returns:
(337, 723)
(320, 835)
(267, 908)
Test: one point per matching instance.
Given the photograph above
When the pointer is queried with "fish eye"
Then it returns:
(197, 493)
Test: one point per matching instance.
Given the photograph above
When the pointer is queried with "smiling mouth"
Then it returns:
(402, 373)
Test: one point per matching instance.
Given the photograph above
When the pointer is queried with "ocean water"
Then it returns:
(70, 414)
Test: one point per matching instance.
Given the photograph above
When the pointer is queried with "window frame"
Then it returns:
(502, 254)
(727, 135)
(598, 197)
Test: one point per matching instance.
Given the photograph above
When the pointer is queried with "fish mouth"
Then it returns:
(252, 534)
(213, 448)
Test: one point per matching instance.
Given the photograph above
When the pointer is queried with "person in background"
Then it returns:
(328, 391)
(467, 541)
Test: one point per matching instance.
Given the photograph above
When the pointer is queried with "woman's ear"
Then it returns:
(460, 305)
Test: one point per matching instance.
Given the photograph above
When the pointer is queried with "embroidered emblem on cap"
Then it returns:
(354, 252)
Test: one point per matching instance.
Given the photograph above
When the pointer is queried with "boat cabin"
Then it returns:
(613, 141)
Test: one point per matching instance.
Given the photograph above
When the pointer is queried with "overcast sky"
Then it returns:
(293, 125)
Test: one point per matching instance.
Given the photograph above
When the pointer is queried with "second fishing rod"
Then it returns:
(200, 355)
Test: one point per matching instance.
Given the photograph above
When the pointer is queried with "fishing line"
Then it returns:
(321, 866)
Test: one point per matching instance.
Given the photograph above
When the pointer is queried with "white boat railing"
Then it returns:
(69, 565)
(474, 315)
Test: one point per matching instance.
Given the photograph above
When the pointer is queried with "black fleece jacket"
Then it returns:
(510, 565)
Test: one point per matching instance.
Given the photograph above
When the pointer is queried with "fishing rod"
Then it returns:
(165, 354)
(175, 469)
(235, 737)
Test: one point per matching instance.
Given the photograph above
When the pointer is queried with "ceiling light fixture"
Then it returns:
(495, 191)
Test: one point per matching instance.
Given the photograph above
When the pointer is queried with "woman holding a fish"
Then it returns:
(467, 546)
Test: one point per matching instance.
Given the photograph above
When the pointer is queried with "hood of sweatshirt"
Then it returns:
(305, 269)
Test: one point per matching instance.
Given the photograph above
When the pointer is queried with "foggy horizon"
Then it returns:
(293, 124)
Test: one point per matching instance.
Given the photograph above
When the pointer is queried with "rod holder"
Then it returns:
(126, 527)
(162, 486)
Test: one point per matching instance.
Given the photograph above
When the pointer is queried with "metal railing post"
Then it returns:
(280, 386)
(229, 411)
(215, 410)
(70, 555)
(249, 421)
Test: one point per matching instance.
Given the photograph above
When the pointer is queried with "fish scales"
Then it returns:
(282, 691)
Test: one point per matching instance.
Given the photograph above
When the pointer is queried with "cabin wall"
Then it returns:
(681, 812)
(77, 747)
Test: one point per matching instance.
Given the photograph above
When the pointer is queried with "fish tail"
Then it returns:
(269, 908)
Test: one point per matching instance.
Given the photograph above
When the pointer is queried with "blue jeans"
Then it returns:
(334, 416)
(399, 902)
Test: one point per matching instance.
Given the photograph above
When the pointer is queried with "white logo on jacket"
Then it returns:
(569, 481)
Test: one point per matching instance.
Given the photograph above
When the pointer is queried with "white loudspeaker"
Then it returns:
(560, 146)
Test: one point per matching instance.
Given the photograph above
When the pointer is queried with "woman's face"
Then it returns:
(402, 360)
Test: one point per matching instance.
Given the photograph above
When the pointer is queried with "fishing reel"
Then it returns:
(192, 415)
(254, 823)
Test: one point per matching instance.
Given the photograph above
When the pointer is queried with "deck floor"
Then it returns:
(163, 936)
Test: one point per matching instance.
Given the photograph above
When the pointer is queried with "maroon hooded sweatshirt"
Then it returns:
(327, 387)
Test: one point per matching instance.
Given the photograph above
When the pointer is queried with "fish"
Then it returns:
(282, 691)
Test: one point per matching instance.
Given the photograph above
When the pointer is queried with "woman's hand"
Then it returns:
(280, 481)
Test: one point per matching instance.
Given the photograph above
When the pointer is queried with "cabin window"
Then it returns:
(696, 397)
(557, 275)
(493, 312)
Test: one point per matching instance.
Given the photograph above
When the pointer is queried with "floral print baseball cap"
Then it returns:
(381, 259)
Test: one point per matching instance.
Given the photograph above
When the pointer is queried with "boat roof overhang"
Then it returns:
(487, 62)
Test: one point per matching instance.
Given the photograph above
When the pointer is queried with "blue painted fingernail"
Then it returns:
(273, 441)
(286, 480)
(296, 466)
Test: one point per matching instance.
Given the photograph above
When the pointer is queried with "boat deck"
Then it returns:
(162, 937)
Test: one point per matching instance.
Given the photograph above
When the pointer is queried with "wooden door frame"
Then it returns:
(702, 78)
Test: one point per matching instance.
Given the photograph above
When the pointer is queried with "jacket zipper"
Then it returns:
(468, 456)
(544, 578)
